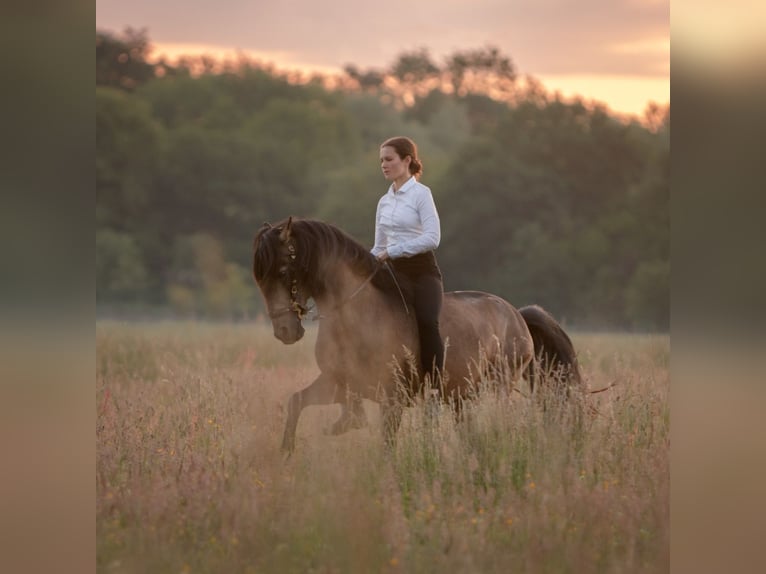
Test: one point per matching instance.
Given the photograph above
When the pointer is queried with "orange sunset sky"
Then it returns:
(612, 51)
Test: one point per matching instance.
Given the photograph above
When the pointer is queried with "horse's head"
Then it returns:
(281, 277)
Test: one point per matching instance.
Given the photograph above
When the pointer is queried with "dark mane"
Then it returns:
(316, 241)
(265, 253)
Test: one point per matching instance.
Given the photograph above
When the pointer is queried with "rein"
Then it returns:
(393, 276)
(358, 290)
(317, 317)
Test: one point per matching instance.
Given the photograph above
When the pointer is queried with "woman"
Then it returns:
(407, 231)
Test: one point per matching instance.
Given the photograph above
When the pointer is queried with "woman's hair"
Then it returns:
(404, 147)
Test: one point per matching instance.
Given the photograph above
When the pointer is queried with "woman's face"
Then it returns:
(392, 165)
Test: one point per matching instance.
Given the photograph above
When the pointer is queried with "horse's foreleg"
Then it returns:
(321, 392)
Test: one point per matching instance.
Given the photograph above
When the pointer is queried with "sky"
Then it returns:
(612, 51)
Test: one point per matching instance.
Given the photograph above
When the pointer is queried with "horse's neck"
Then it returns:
(341, 284)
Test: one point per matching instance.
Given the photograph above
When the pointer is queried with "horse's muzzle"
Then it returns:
(289, 334)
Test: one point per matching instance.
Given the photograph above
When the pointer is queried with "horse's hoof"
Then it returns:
(339, 427)
(345, 424)
(288, 447)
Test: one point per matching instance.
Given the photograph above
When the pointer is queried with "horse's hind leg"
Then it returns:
(456, 402)
(391, 412)
(352, 415)
(321, 392)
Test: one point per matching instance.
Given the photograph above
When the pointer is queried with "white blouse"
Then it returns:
(406, 221)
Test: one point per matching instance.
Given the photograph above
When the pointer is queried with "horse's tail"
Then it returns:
(554, 352)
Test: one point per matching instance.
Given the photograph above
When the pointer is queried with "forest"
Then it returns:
(562, 203)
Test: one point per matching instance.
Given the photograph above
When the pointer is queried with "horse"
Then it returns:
(367, 340)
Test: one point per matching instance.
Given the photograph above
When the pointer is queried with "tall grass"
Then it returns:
(190, 478)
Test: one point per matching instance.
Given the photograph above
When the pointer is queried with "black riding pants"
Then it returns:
(427, 289)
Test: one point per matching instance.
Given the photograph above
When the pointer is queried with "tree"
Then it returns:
(179, 101)
(121, 60)
(414, 67)
(129, 149)
(558, 205)
(368, 81)
(120, 271)
(483, 70)
(203, 282)
(647, 297)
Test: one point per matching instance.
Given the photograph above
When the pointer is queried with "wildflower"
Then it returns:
(394, 562)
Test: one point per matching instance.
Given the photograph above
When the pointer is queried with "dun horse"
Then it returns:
(367, 335)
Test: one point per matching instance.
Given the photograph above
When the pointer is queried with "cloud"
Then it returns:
(542, 37)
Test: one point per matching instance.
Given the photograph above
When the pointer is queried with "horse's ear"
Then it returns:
(287, 229)
(266, 225)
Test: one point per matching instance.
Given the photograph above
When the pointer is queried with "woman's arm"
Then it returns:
(430, 237)
(380, 237)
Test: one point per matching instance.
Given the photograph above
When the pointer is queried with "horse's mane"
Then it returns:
(316, 242)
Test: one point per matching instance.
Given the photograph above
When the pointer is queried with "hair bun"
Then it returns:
(416, 166)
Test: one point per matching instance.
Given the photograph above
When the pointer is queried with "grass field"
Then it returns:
(190, 478)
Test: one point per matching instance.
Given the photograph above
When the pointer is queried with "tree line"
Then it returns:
(560, 203)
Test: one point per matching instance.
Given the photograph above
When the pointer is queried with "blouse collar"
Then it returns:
(407, 185)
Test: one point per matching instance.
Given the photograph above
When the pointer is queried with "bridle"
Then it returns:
(295, 306)
(302, 311)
